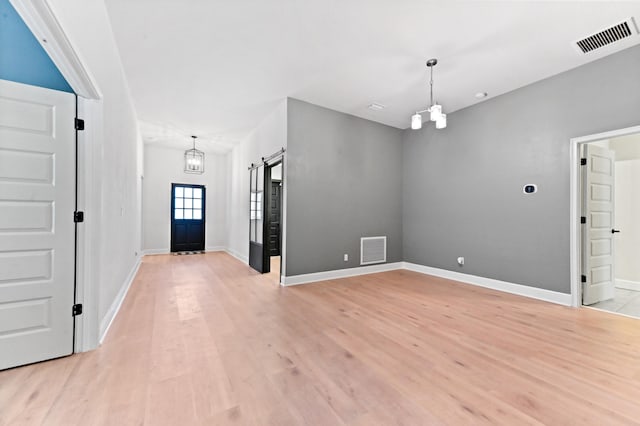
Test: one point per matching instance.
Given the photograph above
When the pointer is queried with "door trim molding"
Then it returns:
(88, 253)
(575, 198)
(41, 20)
(283, 218)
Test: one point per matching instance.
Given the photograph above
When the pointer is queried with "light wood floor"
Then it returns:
(203, 340)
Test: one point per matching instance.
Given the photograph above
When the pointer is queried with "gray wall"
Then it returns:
(344, 181)
(462, 192)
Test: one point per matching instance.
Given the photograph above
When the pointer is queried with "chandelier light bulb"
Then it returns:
(436, 112)
(416, 121)
(441, 122)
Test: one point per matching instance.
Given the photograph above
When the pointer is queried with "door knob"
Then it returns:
(613, 231)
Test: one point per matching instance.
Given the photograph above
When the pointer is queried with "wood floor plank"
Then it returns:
(205, 340)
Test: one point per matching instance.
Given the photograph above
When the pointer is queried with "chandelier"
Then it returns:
(194, 159)
(434, 110)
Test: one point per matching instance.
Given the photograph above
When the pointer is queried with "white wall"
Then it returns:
(164, 166)
(267, 138)
(113, 214)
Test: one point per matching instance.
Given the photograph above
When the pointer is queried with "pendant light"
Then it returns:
(416, 121)
(194, 159)
(434, 110)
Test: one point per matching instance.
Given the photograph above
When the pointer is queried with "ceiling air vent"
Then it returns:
(605, 37)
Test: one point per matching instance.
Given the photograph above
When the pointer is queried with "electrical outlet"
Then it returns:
(346, 257)
(461, 261)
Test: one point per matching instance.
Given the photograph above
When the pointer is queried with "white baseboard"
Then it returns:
(215, 248)
(339, 273)
(519, 289)
(240, 257)
(628, 285)
(106, 322)
(155, 251)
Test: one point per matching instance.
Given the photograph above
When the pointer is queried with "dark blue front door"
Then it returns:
(187, 217)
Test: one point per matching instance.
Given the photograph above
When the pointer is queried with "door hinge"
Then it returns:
(583, 278)
(583, 219)
(78, 217)
(77, 309)
(78, 123)
(583, 161)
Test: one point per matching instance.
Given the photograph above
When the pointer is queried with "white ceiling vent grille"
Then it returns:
(373, 250)
(605, 37)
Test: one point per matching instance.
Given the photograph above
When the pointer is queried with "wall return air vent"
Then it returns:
(373, 250)
(608, 36)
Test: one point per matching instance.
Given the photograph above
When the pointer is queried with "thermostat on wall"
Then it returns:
(530, 188)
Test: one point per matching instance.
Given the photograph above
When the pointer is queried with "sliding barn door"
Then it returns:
(258, 253)
(37, 230)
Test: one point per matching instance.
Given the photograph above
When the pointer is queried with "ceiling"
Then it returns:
(216, 68)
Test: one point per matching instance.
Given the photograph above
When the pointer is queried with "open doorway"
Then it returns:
(274, 219)
(609, 182)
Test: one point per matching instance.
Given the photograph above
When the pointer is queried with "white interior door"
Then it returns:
(597, 236)
(37, 238)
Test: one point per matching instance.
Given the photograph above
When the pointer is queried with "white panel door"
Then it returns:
(37, 238)
(597, 236)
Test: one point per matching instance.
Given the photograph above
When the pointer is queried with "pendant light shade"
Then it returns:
(434, 110)
(416, 121)
(194, 159)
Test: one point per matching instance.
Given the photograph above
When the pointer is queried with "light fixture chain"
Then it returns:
(431, 84)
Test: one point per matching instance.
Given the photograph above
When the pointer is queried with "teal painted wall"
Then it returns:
(22, 59)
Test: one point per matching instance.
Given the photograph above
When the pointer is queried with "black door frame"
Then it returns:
(268, 201)
(275, 183)
(173, 219)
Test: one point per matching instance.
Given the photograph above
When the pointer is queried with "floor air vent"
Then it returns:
(610, 35)
(373, 250)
